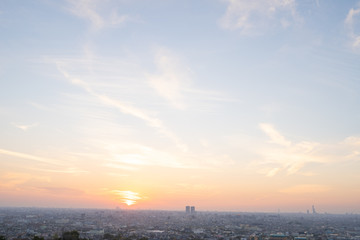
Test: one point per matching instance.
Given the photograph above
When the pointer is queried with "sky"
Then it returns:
(225, 105)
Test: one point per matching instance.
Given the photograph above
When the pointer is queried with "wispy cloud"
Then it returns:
(291, 157)
(132, 156)
(173, 78)
(30, 157)
(255, 17)
(90, 10)
(54, 165)
(24, 127)
(13, 180)
(70, 170)
(125, 108)
(274, 135)
(174, 82)
(353, 19)
(352, 141)
(121, 86)
(286, 156)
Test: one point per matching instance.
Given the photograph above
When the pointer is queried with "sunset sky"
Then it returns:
(226, 105)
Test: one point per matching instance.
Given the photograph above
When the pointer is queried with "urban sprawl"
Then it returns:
(117, 224)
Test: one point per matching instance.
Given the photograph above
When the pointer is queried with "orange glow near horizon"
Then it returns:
(127, 197)
(129, 202)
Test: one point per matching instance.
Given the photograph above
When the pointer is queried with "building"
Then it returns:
(192, 209)
(187, 209)
(313, 209)
(279, 236)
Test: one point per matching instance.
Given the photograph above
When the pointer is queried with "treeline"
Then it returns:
(75, 235)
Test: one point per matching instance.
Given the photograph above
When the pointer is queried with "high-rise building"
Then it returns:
(192, 209)
(313, 209)
(187, 209)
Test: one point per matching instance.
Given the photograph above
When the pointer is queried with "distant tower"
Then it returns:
(192, 209)
(313, 209)
(187, 209)
(307, 211)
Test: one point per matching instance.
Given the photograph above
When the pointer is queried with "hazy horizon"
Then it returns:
(117, 208)
(225, 105)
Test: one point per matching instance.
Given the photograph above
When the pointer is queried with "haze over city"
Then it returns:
(226, 105)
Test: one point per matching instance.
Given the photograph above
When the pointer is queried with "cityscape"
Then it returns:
(97, 224)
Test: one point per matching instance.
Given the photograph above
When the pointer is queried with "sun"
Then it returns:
(127, 197)
(129, 202)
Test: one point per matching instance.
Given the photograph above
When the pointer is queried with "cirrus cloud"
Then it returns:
(172, 79)
(255, 17)
(352, 23)
(90, 10)
(291, 157)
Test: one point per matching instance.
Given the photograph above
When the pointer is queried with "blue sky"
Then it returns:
(261, 97)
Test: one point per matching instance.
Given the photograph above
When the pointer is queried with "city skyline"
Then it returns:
(230, 105)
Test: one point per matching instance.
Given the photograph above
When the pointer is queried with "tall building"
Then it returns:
(187, 209)
(192, 209)
(313, 209)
